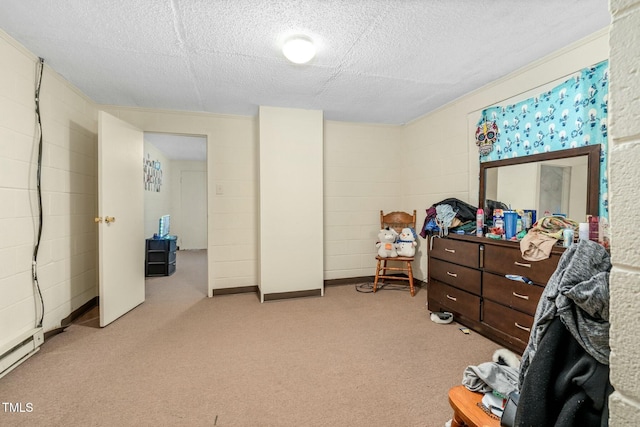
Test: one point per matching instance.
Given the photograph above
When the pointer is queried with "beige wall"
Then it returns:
(156, 203)
(67, 255)
(624, 180)
(291, 212)
(360, 179)
(519, 186)
(177, 222)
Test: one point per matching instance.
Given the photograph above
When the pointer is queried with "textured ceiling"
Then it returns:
(179, 147)
(378, 61)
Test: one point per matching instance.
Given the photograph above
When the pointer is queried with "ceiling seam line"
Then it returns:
(351, 48)
(179, 30)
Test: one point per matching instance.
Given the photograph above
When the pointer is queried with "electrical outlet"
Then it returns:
(38, 338)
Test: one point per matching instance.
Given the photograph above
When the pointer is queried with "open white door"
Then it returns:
(121, 209)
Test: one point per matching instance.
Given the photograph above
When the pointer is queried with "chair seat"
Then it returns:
(382, 269)
(398, 258)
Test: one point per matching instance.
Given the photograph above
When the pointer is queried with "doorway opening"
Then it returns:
(175, 181)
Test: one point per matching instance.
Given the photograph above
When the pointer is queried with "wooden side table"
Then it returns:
(466, 412)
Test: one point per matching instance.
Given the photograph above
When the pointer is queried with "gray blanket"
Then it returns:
(489, 377)
(578, 293)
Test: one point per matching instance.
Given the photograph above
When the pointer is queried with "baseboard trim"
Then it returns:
(348, 281)
(366, 279)
(75, 314)
(239, 290)
(302, 294)
(93, 302)
(294, 294)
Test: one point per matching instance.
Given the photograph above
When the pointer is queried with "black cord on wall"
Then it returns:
(34, 261)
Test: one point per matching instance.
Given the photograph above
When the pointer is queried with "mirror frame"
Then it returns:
(593, 171)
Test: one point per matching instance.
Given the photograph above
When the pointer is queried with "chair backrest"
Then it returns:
(398, 220)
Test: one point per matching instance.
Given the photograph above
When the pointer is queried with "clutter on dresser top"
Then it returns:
(500, 222)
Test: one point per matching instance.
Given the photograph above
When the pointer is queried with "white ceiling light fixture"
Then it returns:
(299, 49)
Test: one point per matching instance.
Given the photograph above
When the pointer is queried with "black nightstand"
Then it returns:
(160, 256)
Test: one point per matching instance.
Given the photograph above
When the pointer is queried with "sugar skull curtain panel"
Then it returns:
(572, 114)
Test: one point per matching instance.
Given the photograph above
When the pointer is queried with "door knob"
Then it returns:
(109, 219)
(97, 219)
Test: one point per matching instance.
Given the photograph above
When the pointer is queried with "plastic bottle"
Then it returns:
(499, 224)
(479, 222)
(567, 235)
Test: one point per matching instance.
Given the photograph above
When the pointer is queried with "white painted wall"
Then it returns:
(360, 178)
(624, 180)
(67, 257)
(157, 204)
(170, 198)
(291, 200)
(518, 186)
(578, 191)
(179, 226)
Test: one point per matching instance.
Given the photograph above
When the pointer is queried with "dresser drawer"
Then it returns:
(508, 260)
(511, 322)
(459, 302)
(511, 293)
(459, 252)
(456, 275)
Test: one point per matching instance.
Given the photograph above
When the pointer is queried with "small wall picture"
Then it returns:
(152, 175)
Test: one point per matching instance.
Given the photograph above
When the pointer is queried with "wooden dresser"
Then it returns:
(467, 278)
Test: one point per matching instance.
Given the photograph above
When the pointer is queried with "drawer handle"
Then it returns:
(452, 274)
(453, 251)
(452, 298)
(521, 264)
(521, 296)
(524, 328)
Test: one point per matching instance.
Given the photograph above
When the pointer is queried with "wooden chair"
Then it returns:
(397, 221)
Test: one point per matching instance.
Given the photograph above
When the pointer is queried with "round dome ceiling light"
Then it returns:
(299, 49)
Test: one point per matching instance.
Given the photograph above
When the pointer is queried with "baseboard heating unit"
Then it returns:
(20, 349)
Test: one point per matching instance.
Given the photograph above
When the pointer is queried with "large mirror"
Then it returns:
(560, 182)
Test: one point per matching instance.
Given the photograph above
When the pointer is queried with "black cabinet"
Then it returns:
(160, 257)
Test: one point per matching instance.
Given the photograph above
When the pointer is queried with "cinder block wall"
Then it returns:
(624, 180)
(67, 255)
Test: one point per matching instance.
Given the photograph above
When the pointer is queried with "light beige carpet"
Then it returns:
(345, 359)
